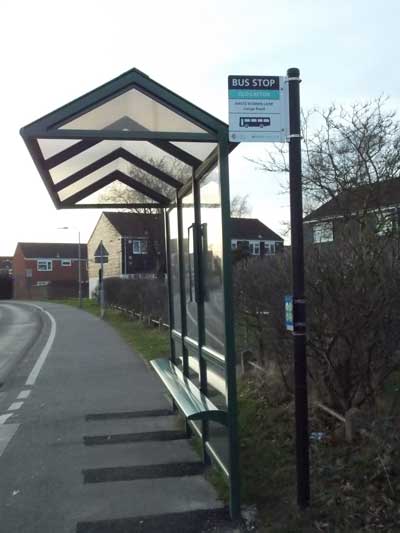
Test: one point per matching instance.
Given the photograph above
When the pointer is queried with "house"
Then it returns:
(133, 244)
(377, 203)
(250, 235)
(49, 270)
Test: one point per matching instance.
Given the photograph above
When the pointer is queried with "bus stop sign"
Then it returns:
(258, 108)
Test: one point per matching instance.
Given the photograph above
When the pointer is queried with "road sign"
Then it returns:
(101, 254)
(258, 108)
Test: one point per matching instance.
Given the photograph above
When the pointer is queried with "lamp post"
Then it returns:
(79, 263)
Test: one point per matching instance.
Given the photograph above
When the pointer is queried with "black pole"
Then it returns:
(299, 315)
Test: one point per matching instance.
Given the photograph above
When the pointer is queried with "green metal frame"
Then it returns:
(192, 401)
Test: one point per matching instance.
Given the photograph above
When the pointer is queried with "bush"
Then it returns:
(353, 317)
(146, 296)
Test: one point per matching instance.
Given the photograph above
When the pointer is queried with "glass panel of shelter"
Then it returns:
(144, 150)
(175, 285)
(214, 318)
(133, 111)
(129, 170)
(116, 193)
(50, 147)
(209, 289)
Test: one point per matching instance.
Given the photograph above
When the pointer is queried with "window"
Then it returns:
(243, 245)
(323, 232)
(234, 245)
(139, 246)
(42, 283)
(44, 265)
(66, 262)
(254, 247)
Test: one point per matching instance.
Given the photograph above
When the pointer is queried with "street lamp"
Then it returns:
(79, 262)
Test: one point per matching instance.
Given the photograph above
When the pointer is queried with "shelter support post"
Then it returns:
(230, 365)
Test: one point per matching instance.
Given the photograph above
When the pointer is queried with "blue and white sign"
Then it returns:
(289, 312)
(258, 108)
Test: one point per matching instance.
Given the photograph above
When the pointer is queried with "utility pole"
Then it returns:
(299, 314)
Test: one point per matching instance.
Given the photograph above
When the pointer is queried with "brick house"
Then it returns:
(251, 236)
(134, 243)
(48, 270)
(377, 204)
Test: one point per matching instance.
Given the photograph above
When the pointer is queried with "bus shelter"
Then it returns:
(162, 152)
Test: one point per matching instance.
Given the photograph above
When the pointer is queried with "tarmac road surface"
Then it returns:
(20, 326)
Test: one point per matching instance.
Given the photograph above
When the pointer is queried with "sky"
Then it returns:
(53, 52)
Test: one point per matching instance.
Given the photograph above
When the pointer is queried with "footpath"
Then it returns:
(95, 446)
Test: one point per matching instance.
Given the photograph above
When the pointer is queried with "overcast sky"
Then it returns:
(54, 51)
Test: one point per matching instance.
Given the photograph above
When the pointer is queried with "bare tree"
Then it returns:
(240, 207)
(344, 148)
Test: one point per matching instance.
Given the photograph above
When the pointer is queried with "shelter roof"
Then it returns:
(132, 134)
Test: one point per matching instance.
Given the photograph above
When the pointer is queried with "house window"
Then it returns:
(44, 265)
(272, 248)
(139, 246)
(66, 262)
(234, 245)
(323, 232)
(254, 247)
(243, 245)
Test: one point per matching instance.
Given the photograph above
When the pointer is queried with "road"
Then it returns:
(88, 443)
(20, 326)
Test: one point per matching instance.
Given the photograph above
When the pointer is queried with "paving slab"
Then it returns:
(136, 425)
(139, 453)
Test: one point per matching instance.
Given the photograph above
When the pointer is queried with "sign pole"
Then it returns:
(299, 315)
(102, 281)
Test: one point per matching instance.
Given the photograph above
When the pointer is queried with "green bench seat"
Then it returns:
(190, 401)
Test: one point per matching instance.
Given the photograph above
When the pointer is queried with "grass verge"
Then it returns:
(149, 342)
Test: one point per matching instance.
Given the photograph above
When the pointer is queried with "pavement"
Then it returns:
(91, 444)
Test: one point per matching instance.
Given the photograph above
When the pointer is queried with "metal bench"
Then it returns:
(190, 401)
